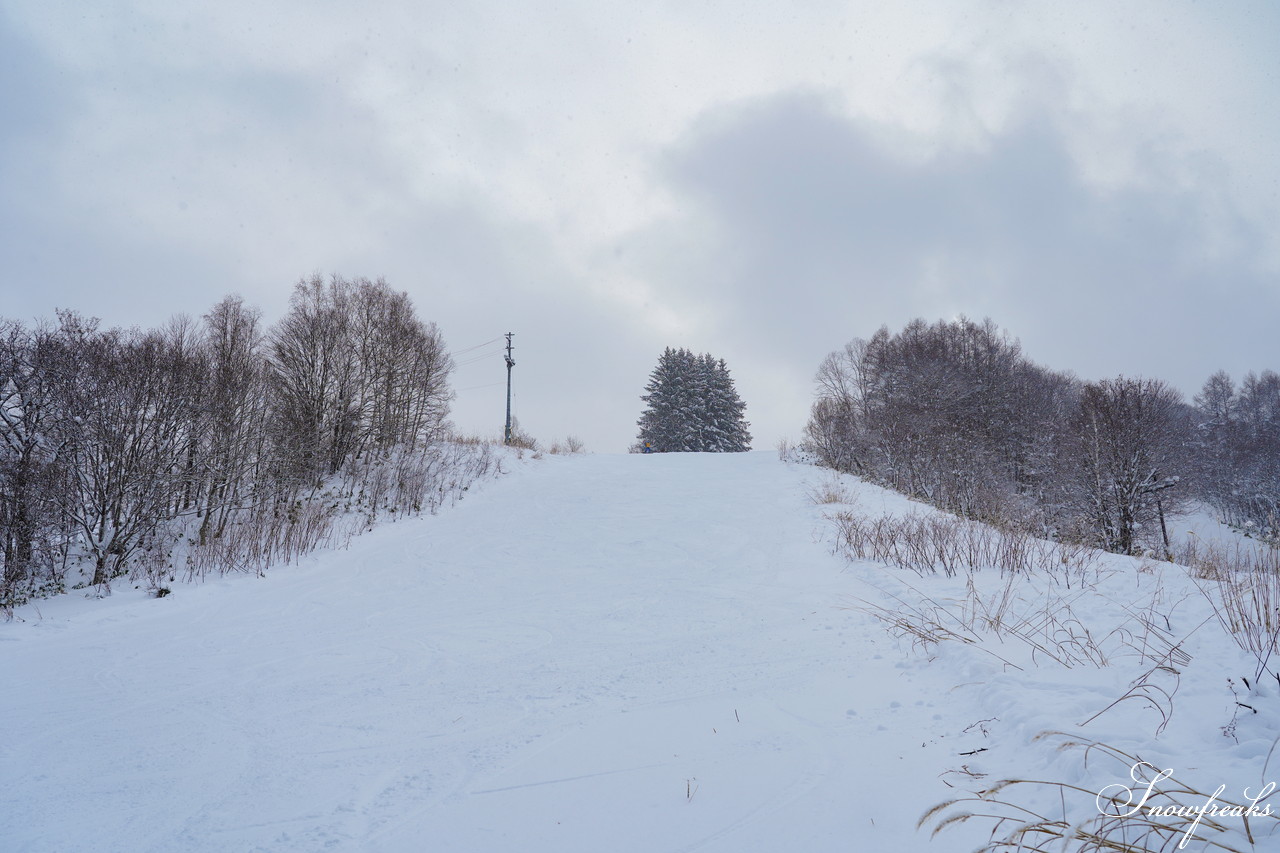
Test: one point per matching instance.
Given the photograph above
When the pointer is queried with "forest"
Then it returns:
(221, 444)
(218, 444)
(954, 413)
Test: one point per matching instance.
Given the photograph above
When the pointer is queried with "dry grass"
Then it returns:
(395, 485)
(474, 440)
(260, 540)
(830, 491)
(1056, 623)
(934, 542)
(1242, 583)
(1045, 624)
(1215, 560)
(1147, 810)
(571, 444)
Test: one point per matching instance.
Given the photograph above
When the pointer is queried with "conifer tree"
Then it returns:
(692, 406)
(727, 424)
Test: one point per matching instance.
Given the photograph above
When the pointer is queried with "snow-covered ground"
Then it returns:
(603, 653)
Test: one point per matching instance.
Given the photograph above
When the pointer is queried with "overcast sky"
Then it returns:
(761, 180)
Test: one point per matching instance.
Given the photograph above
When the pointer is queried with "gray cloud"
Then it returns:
(801, 229)
(33, 99)
(142, 195)
(609, 180)
(581, 362)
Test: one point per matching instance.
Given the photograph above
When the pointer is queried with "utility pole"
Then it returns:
(506, 439)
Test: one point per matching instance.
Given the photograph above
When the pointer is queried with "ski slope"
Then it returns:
(593, 653)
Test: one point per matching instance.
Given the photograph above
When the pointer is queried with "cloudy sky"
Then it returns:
(760, 180)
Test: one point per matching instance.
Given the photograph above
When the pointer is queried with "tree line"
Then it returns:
(115, 442)
(955, 414)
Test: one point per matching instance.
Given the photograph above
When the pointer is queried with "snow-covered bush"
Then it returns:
(934, 542)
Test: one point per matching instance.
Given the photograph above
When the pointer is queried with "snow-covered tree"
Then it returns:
(1238, 439)
(116, 443)
(692, 406)
(726, 429)
(353, 369)
(951, 413)
(1127, 444)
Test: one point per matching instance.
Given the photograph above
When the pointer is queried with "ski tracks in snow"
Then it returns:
(645, 653)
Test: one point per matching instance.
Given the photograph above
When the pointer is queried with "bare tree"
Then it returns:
(837, 429)
(233, 455)
(32, 537)
(403, 368)
(113, 442)
(129, 439)
(951, 412)
(354, 371)
(313, 381)
(1238, 436)
(1128, 442)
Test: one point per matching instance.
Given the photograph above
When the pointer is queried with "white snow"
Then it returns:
(594, 653)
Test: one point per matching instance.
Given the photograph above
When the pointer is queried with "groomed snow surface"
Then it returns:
(599, 653)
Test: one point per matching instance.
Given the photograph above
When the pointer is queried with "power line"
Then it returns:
(477, 346)
(481, 355)
(475, 358)
(471, 351)
(477, 387)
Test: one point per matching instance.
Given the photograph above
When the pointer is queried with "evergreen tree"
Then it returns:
(692, 406)
(726, 421)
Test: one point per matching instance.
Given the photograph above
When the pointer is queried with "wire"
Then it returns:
(475, 358)
(477, 346)
(487, 357)
(475, 387)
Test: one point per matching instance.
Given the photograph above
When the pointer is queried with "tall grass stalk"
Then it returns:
(1143, 810)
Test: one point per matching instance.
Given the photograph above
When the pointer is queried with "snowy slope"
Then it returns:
(594, 653)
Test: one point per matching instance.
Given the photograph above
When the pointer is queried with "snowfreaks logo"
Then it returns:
(1146, 800)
